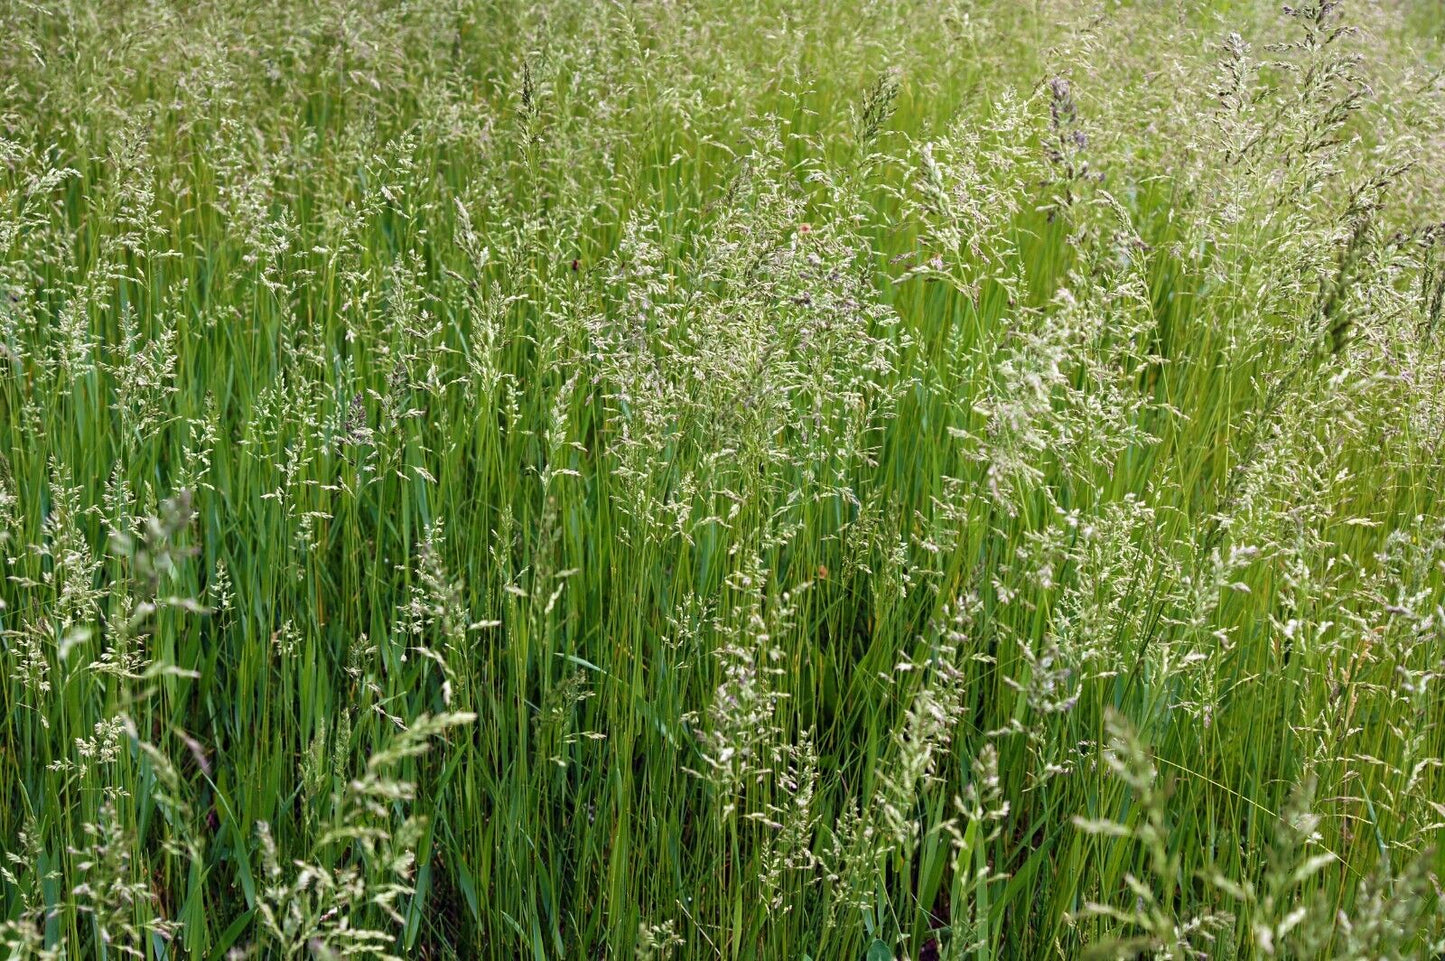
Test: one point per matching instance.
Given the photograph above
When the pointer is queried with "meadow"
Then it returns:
(722, 479)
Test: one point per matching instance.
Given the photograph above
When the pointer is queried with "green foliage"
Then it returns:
(886, 479)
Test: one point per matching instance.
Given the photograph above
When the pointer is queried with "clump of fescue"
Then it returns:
(742, 729)
(1151, 924)
(310, 906)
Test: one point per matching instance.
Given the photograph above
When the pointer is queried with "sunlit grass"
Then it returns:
(752, 480)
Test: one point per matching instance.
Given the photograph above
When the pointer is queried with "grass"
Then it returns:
(722, 480)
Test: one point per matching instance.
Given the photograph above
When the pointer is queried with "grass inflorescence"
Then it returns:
(683, 479)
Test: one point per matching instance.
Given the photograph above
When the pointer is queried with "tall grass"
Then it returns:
(722, 480)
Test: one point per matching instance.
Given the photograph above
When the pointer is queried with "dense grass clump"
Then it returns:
(699, 479)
